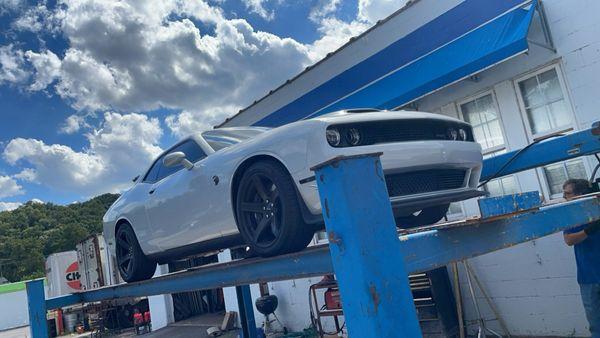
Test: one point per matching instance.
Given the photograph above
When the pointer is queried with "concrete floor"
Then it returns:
(192, 327)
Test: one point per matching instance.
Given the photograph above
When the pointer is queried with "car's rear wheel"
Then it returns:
(132, 263)
(426, 216)
(268, 211)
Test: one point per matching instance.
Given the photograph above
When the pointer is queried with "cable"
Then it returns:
(515, 156)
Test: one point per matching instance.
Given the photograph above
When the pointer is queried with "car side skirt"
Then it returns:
(195, 249)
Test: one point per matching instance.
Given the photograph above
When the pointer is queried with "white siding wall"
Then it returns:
(534, 284)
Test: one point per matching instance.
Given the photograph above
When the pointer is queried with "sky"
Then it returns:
(92, 90)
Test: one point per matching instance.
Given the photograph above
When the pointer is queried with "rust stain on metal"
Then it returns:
(375, 297)
(322, 178)
(326, 208)
(333, 238)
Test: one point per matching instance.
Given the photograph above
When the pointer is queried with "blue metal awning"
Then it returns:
(467, 39)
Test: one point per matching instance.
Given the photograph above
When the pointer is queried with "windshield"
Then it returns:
(222, 138)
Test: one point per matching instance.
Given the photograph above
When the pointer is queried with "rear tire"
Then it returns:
(132, 262)
(426, 216)
(268, 211)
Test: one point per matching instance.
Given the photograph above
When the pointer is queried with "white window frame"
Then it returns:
(544, 184)
(494, 99)
(566, 96)
(563, 163)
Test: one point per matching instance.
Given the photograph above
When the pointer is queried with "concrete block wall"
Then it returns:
(534, 284)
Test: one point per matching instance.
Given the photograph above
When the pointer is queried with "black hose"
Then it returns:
(514, 157)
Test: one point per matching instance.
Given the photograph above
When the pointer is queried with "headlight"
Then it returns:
(353, 136)
(333, 137)
(452, 134)
(462, 134)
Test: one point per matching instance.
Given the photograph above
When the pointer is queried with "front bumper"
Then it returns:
(406, 157)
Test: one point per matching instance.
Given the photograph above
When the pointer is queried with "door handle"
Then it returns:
(152, 191)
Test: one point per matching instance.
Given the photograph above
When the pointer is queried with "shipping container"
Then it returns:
(62, 273)
(96, 266)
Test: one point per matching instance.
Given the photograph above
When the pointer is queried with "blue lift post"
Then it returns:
(365, 249)
(420, 251)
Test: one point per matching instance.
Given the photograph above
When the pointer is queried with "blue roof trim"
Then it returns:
(496, 39)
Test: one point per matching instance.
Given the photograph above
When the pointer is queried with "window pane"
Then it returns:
(544, 102)
(494, 188)
(192, 152)
(495, 130)
(482, 115)
(509, 185)
(538, 119)
(576, 169)
(556, 176)
(153, 173)
(560, 115)
(455, 209)
(550, 86)
(529, 91)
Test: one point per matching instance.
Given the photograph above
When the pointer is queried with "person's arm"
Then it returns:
(580, 236)
(575, 238)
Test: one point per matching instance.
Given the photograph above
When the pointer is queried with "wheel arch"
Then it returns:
(245, 164)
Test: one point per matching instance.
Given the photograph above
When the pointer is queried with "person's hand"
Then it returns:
(592, 228)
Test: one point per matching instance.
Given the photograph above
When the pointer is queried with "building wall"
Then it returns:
(13, 310)
(534, 284)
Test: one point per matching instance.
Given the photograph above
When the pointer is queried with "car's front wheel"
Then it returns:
(132, 262)
(268, 211)
(426, 216)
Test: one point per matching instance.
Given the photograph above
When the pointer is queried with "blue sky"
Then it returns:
(92, 90)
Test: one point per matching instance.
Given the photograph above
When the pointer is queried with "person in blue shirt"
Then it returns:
(586, 241)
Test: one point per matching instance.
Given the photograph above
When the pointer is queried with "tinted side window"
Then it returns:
(153, 173)
(192, 152)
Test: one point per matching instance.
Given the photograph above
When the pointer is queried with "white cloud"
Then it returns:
(189, 122)
(12, 65)
(151, 55)
(73, 124)
(373, 10)
(257, 6)
(9, 187)
(37, 18)
(335, 33)
(47, 68)
(10, 6)
(119, 149)
(8, 206)
(322, 9)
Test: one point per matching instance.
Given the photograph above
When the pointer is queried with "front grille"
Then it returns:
(423, 181)
(389, 131)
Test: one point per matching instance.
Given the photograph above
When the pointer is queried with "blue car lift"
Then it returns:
(370, 260)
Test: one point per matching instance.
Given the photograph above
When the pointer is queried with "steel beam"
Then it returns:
(37, 309)
(367, 256)
(422, 251)
(244, 299)
(582, 143)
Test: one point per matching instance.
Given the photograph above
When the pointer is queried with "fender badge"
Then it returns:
(216, 180)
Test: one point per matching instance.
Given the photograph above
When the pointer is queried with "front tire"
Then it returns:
(132, 262)
(426, 216)
(268, 211)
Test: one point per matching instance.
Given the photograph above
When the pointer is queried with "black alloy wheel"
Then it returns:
(268, 211)
(132, 263)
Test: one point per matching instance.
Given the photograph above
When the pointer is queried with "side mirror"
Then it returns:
(177, 158)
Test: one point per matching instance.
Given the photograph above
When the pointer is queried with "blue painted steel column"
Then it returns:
(244, 298)
(37, 309)
(365, 249)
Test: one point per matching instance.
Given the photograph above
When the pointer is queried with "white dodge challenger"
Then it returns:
(253, 186)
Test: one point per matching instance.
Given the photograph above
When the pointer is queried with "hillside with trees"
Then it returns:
(35, 230)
